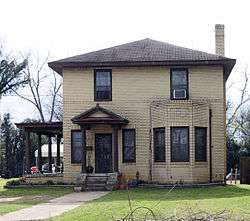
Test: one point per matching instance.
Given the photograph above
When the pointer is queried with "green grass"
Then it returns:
(235, 199)
(29, 196)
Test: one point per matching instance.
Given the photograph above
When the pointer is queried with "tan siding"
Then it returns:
(134, 91)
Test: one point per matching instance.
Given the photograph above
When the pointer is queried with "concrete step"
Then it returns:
(96, 181)
(100, 188)
(97, 177)
(95, 184)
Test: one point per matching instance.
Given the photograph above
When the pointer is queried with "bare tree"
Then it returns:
(234, 120)
(43, 89)
(59, 107)
(55, 107)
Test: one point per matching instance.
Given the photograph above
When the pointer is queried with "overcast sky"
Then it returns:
(66, 28)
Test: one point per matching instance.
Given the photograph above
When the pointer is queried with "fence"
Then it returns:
(245, 170)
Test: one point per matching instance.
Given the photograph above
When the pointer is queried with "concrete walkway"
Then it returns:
(54, 207)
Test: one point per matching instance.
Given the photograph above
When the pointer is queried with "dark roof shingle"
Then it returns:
(146, 52)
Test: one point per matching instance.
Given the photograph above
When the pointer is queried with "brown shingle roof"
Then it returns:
(146, 52)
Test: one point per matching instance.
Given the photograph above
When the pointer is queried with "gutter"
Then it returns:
(58, 66)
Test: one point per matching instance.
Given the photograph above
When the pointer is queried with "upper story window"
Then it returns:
(179, 84)
(103, 85)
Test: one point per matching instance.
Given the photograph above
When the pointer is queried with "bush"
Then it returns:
(50, 182)
(12, 183)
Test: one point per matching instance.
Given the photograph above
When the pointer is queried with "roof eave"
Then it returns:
(228, 64)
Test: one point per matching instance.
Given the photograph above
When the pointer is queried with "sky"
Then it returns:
(66, 28)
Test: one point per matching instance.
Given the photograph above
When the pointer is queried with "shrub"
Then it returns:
(50, 182)
(15, 182)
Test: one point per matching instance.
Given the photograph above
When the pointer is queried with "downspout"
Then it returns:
(210, 146)
(150, 141)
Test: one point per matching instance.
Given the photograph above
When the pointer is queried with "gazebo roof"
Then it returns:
(43, 128)
(99, 115)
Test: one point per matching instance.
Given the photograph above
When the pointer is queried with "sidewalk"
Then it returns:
(54, 207)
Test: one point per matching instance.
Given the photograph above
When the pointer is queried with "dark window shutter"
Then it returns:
(200, 144)
(76, 146)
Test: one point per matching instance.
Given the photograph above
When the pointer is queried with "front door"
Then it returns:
(103, 153)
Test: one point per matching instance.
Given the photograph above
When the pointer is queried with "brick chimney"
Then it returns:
(219, 40)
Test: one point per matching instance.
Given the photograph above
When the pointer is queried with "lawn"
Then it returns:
(27, 197)
(235, 199)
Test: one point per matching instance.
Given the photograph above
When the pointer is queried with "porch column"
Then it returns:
(83, 169)
(39, 153)
(58, 160)
(27, 152)
(50, 153)
(115, 146)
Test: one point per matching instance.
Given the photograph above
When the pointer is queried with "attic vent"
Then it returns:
(180, 94)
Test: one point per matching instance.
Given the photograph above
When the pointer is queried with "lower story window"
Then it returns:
(159, 144)
(179, 144)
(128, 141)
(200, 144)
(76, 146)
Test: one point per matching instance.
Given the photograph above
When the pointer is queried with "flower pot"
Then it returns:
(89, 169)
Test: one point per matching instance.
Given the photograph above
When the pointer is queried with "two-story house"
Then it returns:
(146, 107)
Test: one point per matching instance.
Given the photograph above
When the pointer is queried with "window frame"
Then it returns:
(154, 140)
(95, 94)
(171, 86)
(72, 160)
(123, 145)
(200, 161)
(171, 144)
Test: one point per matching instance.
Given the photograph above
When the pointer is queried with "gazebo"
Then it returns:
(49, 129)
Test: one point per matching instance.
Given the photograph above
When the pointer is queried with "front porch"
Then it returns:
(97, 139)
(94, 145)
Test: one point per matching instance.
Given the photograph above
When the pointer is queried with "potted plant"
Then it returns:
(89, 168)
